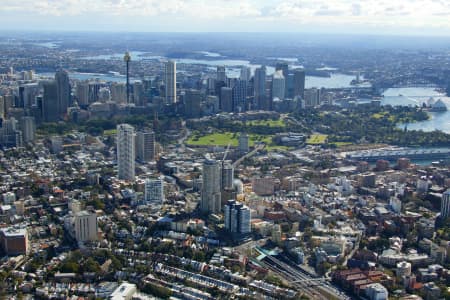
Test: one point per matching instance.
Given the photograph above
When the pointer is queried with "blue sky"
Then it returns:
(430, 17)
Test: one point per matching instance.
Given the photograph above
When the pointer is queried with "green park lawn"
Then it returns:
(317, 139)
(214, 139)
(223, 139)
(110, 132)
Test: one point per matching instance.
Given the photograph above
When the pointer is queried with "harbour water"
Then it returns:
(417, 96)
(335, 81)
(135, 55)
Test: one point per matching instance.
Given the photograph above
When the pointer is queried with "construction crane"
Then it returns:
(226, 153)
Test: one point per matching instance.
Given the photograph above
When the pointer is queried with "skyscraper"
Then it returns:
(49, 102)
(154, 190)
(227, 175)
(237, 217)
(2, 107)
(139, 98)
(125, 151)
(226, 99)
(243, 145)
(445, 204)
(82, 92)
(246, 73)
(278, 85)
(27, 94)
(239, 97)
(299, 83)
(210, 195)
(260, 86)
(10, 136)
(211, 86)
(192, 101)
(312, 97)
(118, 92)
(62, 91)
(283, 67)
(290, 94)
(145, 145)
(94, 88)
(28, 127)
(221, 74)
(8, 101)
(170, 74)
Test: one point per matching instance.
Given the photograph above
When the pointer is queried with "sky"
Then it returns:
(411, 17)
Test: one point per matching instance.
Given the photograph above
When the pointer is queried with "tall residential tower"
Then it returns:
(125, 151)
(170, 75)
(237, 217)
(211, 197)
(145, 145)
(154, 190)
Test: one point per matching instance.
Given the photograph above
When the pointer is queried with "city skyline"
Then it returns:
(218, 149)
(425, 17)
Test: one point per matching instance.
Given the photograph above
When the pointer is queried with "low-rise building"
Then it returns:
(14, 241)
(125, 291)
(376, 291)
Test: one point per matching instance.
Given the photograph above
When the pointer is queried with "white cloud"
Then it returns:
(261, 13)
(415, 13)
(192, 8)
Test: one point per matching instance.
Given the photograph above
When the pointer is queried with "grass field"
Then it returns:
(317, 139)
(382, 115)
(379, 115)
(215, 139)
(222, 139)
(269, 123)
(110, 132)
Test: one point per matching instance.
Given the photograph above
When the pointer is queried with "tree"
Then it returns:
(199, 256)
(157, 290)
(90, 265)
(70, 267)
(378, 244)
(273, 279)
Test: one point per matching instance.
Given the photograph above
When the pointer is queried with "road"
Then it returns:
(181, 140)
(355, 248)
(251, 153)
(186, 134)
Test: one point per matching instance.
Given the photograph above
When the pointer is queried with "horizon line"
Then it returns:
(383, 34)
